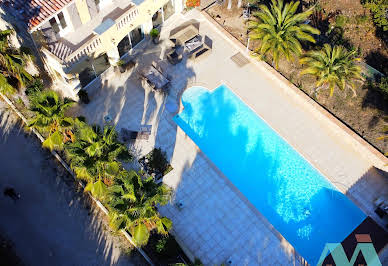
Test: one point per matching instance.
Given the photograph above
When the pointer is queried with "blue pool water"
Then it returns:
(296, 199)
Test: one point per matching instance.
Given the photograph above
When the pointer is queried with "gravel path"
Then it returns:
(52, 223)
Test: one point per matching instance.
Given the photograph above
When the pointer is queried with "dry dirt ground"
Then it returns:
(53, 223)
(366, 113)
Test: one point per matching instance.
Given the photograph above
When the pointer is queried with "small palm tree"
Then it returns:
(94, 155)
(132, 205)
(12, 65)
(280, 30)
(333, 67)
(49, 117)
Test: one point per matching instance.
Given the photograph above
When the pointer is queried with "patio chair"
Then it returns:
(204, 49)
(174, 58)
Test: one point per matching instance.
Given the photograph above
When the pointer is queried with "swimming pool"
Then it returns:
(294, 197)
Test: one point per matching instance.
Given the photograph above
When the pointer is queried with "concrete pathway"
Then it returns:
(51, 224)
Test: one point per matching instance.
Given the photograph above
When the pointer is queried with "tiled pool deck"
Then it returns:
(216, 222)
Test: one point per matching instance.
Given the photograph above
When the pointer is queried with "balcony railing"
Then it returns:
(127, 17)
(71, 56)
(86, 49)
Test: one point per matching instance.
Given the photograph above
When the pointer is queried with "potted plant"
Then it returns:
(83, 96)
(154, 33)
(121, 65)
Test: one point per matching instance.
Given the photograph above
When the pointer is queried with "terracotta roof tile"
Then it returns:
(34, 12)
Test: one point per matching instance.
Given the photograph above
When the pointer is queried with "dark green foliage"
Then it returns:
(132, 201)
(379, 9)
(161, 245)
(281, 29)
(49, 118)
(83, 96)
(34, 86)
(341, 20)
(361, 19)
(95, 153)
(157, 161)
(13, 74)
(154, 33)
(380, 84)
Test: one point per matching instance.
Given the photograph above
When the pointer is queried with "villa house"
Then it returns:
(80, 39)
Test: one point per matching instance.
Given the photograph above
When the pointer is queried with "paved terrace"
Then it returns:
(216, 222)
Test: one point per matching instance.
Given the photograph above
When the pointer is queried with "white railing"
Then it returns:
(93, 44)
(86, 49)
(127, 17)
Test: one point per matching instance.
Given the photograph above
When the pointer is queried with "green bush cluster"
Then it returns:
(361, 19)
(379, 9)
(157, 162)
(95, 155)
(341, 20)
(380, 84)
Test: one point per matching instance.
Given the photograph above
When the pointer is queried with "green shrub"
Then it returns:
(36, 85)
(120, 62)
(361, 19)
(380, 84)
(157, 161)
(154, 33)
(83, 96)
(379, 9)
(340, 21)
(161, 245)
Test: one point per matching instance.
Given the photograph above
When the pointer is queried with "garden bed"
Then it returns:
(366, 113)
(164, 250)
(155, 164)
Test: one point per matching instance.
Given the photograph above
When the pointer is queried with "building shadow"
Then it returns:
(374, 98)
(368, 188)
(52, 210)
(377, 60)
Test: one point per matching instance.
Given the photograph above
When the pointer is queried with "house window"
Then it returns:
(58, 23)
(54, 25)
(62, 20)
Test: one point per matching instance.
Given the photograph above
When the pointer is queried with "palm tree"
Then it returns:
(333, 67)
(280, 30)
(94, 155)
(132, 204)
(12, 65)
(49, 117)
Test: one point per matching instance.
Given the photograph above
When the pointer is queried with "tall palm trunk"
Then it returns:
(239, 3)
(229, 4)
